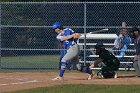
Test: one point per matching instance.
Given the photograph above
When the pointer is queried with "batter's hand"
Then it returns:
(76, 35)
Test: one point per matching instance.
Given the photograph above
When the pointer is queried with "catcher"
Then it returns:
(108, 62)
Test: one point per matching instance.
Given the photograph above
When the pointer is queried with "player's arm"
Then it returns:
(62, 38)
(99, 60)
(75, 35)
(67, 37)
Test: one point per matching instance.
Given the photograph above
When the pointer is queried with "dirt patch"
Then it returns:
(27, 80)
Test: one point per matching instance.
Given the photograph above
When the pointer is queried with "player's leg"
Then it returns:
(85, 69)
(96, 63)
(122, 52)
(136, 65)
(60, 63)
(62, 70)
(75, 61)
(107, 72)
(139, 66)
(116, 67)
(115, 51)
(69, 65)
(71, 53)
(79, 67)
(100, 64)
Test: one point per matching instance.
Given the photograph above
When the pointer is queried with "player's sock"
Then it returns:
(61, 73)
(62, 70)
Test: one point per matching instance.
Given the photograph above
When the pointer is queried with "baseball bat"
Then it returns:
(97, 31)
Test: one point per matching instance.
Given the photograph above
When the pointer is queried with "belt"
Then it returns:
(71, 46)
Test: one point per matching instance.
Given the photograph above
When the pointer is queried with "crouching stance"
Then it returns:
(108, 62)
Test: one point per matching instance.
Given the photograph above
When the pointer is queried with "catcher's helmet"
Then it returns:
(57, 25)
(99, 45)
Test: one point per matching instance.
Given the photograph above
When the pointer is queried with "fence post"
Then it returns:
(85, 7)
(0, 37)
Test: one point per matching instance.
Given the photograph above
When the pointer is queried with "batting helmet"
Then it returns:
(57, 25)
(99, 45)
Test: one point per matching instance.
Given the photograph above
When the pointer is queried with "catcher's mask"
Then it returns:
(99, 48)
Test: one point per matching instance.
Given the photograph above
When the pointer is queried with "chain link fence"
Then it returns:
(28, 41)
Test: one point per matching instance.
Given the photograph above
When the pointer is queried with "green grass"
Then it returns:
(81, 88)
(40, 61)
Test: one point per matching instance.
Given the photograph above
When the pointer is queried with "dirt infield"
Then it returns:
(26, 80)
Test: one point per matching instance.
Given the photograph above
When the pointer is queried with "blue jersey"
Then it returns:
(62, 51)
(69, 42)
(121, 41)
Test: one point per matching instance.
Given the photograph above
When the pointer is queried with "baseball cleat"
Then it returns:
(90, 76)
(79, 67)
(137, 76)
(58, 78)
(116, 75)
